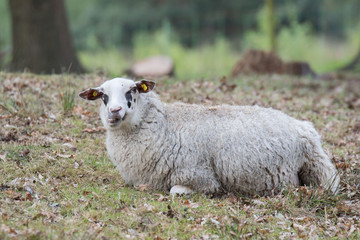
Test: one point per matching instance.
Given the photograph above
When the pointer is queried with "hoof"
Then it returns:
(179, 189)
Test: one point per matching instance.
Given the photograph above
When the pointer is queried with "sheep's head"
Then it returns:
(119, 99)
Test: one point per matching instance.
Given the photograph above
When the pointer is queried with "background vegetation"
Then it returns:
(110, 34)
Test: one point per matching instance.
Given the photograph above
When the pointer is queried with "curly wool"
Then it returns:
(245, 149)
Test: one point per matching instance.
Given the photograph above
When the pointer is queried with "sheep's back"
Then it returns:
(251, 149)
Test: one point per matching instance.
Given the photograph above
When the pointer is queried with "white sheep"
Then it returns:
(186, 147)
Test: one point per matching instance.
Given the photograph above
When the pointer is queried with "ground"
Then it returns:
(56, 181)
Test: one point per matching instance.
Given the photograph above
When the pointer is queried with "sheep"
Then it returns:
(188, 148)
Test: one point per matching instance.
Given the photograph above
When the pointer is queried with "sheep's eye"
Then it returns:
(105, 98)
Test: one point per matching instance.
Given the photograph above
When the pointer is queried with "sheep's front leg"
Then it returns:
(195, 180)
(179, 189)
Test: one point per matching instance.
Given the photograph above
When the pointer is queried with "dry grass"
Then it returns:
(56, 181)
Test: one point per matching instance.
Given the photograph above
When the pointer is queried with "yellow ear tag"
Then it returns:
(144, 87)
(95, 93)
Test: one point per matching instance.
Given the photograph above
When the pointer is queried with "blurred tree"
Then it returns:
(41, 39)
(271, 24)
(354, 64)
(194, 22)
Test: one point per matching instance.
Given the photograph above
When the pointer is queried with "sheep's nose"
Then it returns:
(114, 110)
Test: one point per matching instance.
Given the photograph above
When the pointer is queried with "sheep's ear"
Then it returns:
(91, 93)
(145, 86)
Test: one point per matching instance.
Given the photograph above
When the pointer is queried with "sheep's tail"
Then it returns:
(318, 169)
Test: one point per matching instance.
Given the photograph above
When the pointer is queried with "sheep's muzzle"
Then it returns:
(115, 119)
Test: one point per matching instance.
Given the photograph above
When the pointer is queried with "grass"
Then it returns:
(56, 181)
(68, 100)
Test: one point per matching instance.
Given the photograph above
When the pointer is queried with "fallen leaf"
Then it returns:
(302, 219)
(85, 193)
(298, 227)
(342, 207)
(262, 219)
(11, 230)
(12, 194)
(265, 230)
(7, 229)
(352, 229)
(5, 116)
(17, 182)
(144, 187)
(94, 130)
(65, 156)
(9, 136)
(225, 86)
(4, 217)
(170, 213)
(190, 204)
(133, 232)
(216, 222)
(40, 177)
(149, 207)
(342, 165)
(258, 202)
(45, 214)
(51, 116)
(70, 146)
(162, 198)
(24, 153)
(29, 190)
(29, 197)
(232, 199)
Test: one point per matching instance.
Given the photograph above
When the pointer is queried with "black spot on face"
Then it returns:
(134, 100)
(128, 96)
(105, 98)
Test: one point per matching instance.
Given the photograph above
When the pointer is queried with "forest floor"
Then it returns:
(56, 181)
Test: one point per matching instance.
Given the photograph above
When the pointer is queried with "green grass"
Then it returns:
(56, 181)
(68, 100)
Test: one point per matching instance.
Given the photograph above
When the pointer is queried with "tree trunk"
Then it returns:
(41, 40)
(271, 24)
(353, 64)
